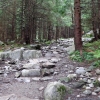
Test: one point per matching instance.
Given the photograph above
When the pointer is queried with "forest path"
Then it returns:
(31, 88)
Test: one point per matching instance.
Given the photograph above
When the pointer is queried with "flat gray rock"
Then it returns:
(48, 65)
(46, 78)
(97, 90)
(54, 60)
(30, 54)
(78, 84)
(80, 70)
(87, 92)
(98, 71)
(31, 72)
(32, 65)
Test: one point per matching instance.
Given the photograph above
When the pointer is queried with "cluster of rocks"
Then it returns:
(38, 68)
(86, 80)
(33, 68)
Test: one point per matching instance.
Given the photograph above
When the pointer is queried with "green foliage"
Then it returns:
(91, 53)
(96, 83)
(65, 79)
(97, 54)
(96, 63)
(95, 44)
(48, 42)
(86, 56)
(62, 90)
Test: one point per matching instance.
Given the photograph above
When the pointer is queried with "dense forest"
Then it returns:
(31, 20)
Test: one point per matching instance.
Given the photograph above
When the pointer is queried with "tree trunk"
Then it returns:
(77, 22)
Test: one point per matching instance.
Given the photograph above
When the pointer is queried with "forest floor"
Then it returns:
(29, 88)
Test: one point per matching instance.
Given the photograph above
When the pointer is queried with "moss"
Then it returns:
(65, 79)
(96, 83)
(62, 90)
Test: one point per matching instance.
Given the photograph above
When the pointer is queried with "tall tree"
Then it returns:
(77, 27)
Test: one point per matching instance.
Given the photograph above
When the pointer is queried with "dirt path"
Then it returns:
(32, 88)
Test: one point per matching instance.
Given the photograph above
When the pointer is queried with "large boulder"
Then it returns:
(29, 54)
(16, 54)
(55, 91)
(4, 55)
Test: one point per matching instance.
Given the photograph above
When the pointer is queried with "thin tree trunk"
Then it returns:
(77, 22)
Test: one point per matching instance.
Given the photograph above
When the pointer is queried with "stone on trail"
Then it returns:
(36, 79)
(13, 62)
(31, 72)
(16, 54)
(79, 84)
(97, 90)
(46, 72)
(54, 60)
(4, 55)
(48, 65)
(55, 91)
(98, 71)
(87, 92)
(80, 70)
(29, 54)
(1, 43)
(46, 78)
(32, 66)
(43, 60)
(72, 76)
(17, 74)
(23, 79)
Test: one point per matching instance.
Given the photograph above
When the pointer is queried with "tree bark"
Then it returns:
(77, 27)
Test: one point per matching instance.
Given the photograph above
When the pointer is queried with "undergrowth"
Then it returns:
(90, 54)
(86, 56)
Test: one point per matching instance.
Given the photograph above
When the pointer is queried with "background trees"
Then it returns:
(31, 20)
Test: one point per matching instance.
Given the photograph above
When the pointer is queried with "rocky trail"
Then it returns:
(26, 79)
